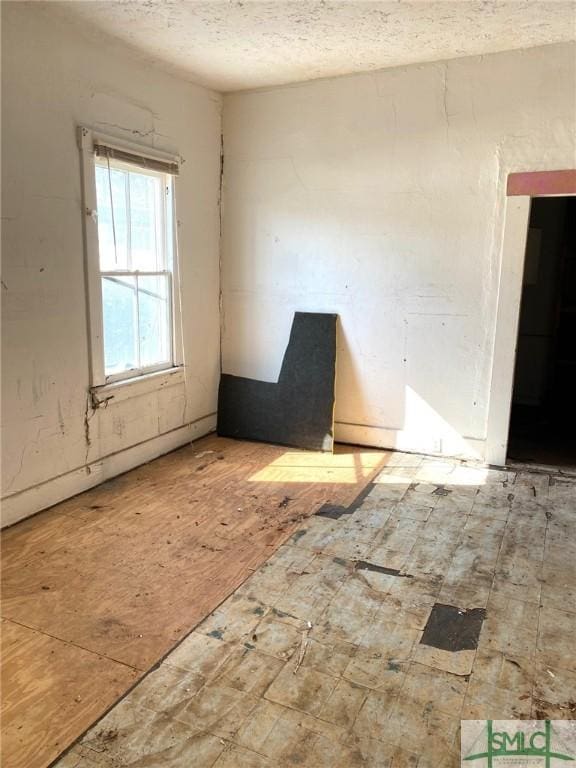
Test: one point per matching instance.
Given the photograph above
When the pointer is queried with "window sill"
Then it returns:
(140, 385)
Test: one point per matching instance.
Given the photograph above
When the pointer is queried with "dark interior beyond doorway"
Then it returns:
(543, 419)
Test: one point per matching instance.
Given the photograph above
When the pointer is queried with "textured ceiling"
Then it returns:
(238, 44)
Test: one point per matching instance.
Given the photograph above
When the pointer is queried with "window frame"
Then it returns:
(87, 138)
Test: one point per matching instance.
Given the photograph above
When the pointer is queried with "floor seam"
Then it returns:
(74, 645)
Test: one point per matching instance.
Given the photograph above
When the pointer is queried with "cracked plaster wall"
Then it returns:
(381, 197)
(53, 80)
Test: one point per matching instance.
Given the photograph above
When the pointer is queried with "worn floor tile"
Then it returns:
(315, 724)
(262, 730)
(424, 728)
(274, 637)
(237, 757)
(554, 693)
(343, 704)
(413, 510)
(289, 743)
(490, 508)
(510, 626)
(484, 701)
(455, 662)
(388, 558)
(293, 559)
(74, 759)
(165, 688)
(444, 526)
(199, 653)
(407, 460)
(352, 610)
(233, 619)
(314, 535)
(249, 671)
(373, 576)
(306, 690)
(217, 709)
(559, 586)
(309, 594)
(366, 693)
(430, 556)
(395, 641)
(399, 534)
(410, 610)
(433, 688)
(372, 720)
(364, 525)
(435, 471)
(359, 753)
(513, 673)
(456, 502)
(269, 583)
(556, 631)
(256, 728)
(473, 593)
(349, 549)
(372, 668)
(373, 753)
(327, 653)
(129, 735)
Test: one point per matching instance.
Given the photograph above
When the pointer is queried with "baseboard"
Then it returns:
(449, 446)
(31, 500)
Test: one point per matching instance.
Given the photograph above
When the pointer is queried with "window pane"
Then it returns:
(112, 228)
(154, 308)
(119, 314)
(146, 242)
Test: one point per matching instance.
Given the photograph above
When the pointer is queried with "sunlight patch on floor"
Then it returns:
(344, 466)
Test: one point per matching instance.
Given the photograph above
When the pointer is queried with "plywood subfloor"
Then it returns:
(98, 589)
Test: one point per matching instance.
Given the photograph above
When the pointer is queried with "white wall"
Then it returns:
(381, 197)
(53, 79)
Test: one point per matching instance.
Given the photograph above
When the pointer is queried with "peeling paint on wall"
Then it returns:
(52, 428)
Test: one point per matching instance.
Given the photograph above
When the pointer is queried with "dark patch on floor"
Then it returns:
(453, 629)
(359, 500)
(362, 565)
(335, 511)
(332, 511)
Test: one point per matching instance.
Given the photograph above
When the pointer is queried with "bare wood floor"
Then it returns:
(98, 589)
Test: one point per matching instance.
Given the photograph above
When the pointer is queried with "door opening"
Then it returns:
(543, 415)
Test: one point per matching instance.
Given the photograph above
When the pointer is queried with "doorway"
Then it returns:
(543, 414)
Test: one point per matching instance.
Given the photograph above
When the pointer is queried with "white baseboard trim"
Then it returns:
(31, 500)
(455, 447)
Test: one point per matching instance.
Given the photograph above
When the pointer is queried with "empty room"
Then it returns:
(288, 302)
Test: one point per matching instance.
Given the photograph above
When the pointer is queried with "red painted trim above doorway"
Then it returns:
(539, 183)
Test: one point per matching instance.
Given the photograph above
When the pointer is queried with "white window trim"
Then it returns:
(155, 375)
(138, 385)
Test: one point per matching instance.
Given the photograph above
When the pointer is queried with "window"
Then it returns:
(132, 270)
